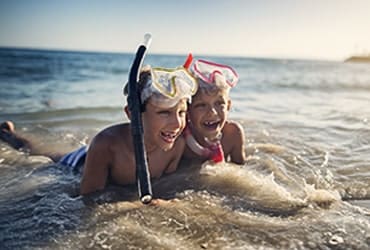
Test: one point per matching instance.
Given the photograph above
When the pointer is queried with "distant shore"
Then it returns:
(358, 59)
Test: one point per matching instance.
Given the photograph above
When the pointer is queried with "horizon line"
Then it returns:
(262, 57)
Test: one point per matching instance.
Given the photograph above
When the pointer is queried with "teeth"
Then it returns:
(169, 135)
(208, 123)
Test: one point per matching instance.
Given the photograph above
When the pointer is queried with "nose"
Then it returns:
(177, 121)
(212, 111)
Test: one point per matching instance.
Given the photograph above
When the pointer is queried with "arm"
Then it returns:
(97, 165)
(178, 152)
(237, 153)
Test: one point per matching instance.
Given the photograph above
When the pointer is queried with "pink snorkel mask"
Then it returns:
(210, 75)
(214, 73)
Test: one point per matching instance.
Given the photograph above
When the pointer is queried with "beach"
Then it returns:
(305, 185)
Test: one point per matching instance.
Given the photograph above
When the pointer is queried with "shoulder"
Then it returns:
(102, 148)
(233, 142)
(232, 136)
(233, 128)
(180, 144)
(110, 136)
(175, 155)
(112, 133)
(177, 150)
(178, 147)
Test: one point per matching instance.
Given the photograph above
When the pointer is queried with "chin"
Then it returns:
(167, 147)
(211, 134)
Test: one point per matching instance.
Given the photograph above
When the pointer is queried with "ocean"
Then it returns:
(305, 185)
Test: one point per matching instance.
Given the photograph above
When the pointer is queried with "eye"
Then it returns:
(182, 112)
(200, 105)
(164, 113)
(220, 103)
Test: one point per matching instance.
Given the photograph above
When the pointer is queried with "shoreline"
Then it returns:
(358, 59)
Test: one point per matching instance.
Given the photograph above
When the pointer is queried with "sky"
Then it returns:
(303, 29)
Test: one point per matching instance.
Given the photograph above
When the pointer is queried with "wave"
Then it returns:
(78, 111)
(40, 65)
(83, 119)
(263, 191)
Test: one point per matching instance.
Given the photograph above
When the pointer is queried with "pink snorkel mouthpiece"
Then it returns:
(188, 61)
(217, 154)
(214, 151)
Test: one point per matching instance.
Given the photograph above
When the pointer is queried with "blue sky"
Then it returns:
(326, 29)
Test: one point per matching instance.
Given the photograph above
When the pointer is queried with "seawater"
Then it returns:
(305, 185)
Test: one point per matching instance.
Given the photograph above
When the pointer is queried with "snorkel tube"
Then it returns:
(188, 61)
(134, 105)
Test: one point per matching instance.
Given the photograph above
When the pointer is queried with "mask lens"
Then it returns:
(207, 70)
(169, 82)
(168, 86)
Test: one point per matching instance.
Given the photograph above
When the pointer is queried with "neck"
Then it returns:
(205, 141)
(210, 149)
(149, 148)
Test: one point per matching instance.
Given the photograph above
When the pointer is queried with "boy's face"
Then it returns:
(162, 126)
(208, 113)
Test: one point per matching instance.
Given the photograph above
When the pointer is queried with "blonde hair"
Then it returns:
(212, 89)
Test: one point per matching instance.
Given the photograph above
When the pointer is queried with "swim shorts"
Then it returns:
(75, 158)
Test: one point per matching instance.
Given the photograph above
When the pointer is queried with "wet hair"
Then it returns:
(211, 89)
(144, 78)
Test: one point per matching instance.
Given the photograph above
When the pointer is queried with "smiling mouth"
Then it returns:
(211, 125)
(169, 137)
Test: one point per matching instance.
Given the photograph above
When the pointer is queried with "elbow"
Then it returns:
(86, 191)
(87, 188)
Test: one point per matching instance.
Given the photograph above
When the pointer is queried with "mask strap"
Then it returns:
(214, 152)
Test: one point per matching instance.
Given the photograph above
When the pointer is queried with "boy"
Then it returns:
(164, 96)
(209, 134)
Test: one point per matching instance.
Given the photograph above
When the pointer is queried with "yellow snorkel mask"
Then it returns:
(166, 87)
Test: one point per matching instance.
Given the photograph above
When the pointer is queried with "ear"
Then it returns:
(127, 111)
(228, 105)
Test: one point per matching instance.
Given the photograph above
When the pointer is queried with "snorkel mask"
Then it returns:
(212, 77)
(214, 74)
(166, 87)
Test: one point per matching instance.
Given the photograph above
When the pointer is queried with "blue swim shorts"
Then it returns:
(75, 158)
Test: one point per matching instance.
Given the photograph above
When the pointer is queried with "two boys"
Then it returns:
(165, 94)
